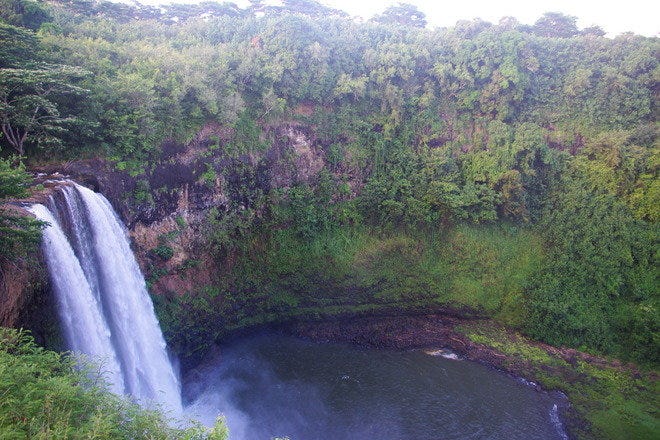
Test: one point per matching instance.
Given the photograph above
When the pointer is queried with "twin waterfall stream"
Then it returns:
(102, 300)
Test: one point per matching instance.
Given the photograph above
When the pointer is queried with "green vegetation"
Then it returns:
(18, 234)
(506, 170)
(164, 251)
(357, 270)
(546, 128)
(47, 395)
(616, 401)
(597, 291)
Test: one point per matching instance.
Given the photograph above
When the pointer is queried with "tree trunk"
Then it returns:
(14, 139)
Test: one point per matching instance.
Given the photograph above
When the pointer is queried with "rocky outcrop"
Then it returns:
(295, 157)
(25, 301)
(166, 205)
(20, 282)
(172, 256)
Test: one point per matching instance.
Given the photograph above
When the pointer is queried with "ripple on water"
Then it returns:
(278, 386)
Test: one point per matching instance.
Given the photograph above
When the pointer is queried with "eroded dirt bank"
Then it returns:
(433, 331)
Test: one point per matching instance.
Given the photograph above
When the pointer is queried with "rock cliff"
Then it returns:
(165, 205)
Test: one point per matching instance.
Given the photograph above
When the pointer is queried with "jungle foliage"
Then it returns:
(18, 234)
(542, 134)
(49, 395)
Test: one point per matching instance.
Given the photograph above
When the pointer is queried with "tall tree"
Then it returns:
(402, 14)
(28, 108)
(556, 24)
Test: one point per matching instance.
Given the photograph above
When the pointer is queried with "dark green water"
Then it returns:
(270, 385)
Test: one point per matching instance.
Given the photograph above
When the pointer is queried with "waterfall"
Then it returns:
(82, 321)
(104, 307)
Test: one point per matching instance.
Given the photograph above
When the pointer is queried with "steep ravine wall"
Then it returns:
(203, 294)
(25, 299)
(21, 283)
(168, 204)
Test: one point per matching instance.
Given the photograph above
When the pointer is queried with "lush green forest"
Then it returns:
(505, 168)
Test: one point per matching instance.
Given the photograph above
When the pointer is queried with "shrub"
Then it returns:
(48, 395)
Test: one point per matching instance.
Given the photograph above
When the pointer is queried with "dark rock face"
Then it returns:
(20, 282)
(173, 195)
(97, 174)
(25, 301)
(145, 198)
(296, 157)
(196, 177)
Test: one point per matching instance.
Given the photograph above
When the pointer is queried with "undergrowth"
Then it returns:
(610, 400)
(49, 395)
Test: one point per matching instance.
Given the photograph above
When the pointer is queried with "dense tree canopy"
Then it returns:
(546, 127)
(402, 14)
(30, 14)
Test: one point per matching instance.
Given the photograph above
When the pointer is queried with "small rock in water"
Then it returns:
(444, 353)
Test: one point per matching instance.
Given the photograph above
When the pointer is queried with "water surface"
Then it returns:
(274, 386)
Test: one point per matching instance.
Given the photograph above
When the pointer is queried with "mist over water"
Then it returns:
(274, 386)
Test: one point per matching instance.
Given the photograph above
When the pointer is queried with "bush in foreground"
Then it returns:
(46, 395)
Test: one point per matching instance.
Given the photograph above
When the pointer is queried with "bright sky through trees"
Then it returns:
(639, 16)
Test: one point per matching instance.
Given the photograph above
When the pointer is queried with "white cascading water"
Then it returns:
(104, 306)
(80, 313)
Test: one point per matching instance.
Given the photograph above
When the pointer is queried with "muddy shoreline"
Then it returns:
(399, 332)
